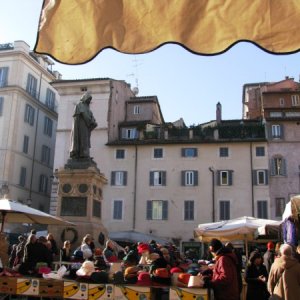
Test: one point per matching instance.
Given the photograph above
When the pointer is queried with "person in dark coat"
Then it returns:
(269, 256)
(31, 253)
(256, 276)
(224, 281)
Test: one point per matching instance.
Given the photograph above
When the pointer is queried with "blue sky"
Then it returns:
(188, 86)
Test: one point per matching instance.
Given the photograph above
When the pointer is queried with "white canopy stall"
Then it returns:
(243, 228)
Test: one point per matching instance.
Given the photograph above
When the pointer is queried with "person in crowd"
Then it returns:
(13, 254)
(85, 247)
(31, 249)
(239, 257)
(53, 248)
(110, 254)
(66, 253)
(256, 276)
(269, 256)
(284, 277)
(44, 251)
(277, 249)
(297, 253)
(224, 281)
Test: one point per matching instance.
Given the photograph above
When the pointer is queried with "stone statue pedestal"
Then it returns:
(79, 200)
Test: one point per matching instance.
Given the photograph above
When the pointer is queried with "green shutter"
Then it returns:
(149, 210)
(195, 178)
(151, 178)
(113, 178)
(165, 210)
(164, 178)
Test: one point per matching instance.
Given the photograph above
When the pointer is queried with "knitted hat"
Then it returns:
(143, 248)
(86, 269)
(270, 246)
(144, 279)
(183, 278)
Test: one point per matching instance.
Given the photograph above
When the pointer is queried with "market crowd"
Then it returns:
(274, 274)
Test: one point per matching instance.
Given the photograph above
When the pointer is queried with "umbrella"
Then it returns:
(73, 32)
(15, 212)
(243, 228)
(135, 236)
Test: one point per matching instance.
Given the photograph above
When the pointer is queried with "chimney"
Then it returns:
(219, 113)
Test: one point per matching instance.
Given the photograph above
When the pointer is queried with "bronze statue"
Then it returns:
(83, 124)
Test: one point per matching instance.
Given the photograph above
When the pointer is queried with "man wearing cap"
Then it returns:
(269, 256)
(224, 281)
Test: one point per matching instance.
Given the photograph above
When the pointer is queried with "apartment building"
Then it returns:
(277, 104)
(28, 118)
(165, 178)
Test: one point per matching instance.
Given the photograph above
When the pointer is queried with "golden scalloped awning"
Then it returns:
(74, 32)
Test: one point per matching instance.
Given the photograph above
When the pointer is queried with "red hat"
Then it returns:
(184, 278)
(176, 270)
(144, 279)
(161, 272)
(270, 245)
(142, 248)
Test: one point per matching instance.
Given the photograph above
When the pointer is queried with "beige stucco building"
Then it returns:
(28, 118)
(165, 178)
(277, 104)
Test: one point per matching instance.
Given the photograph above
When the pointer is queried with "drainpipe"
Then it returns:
(134, 188)
(252, 186)
(29, 200)
(212, 170)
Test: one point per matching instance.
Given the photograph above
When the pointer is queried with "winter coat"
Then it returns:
(225, 276)
(256, 289)
(286, 286)
(269, 257)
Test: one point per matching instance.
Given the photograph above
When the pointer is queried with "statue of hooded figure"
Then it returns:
(83, 124)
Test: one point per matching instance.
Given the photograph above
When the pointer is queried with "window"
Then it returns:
(260, 151)
(118, 210)
(157, 210)
(43, 185)
(224, 210)
(22, 181)
(189, 210)
(136, 110)
(260, 177)
(295, 100)
(25, 144)
(279, 207)
(31, 86)
(158, 153)
(29, 114)
(158, 178)
(1, 105)
(281, 102)
(129, 133)
(224, 152)
(45, 158)
(119, 178)
(278, 166)
(189, 152)
(3, 76)
(50, 99)
(120, 154)
(276, 131)
(97, 209)
(262, 209)
(48, 124)
(189, 178)
(225, 177)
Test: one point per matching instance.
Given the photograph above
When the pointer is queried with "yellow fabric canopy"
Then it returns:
(74, 32)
